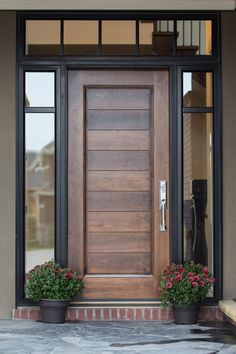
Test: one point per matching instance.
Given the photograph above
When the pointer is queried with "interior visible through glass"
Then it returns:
(42, 37)
(194, 38)
(118, 37)
(197, 89)
(198, 188)
(156, 37)
(80, 37)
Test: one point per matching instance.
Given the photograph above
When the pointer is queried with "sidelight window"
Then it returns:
(39, 167)
(198, 217)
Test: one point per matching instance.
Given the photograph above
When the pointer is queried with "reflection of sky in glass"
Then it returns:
(187, 83)
(39, 130)
(39, 87)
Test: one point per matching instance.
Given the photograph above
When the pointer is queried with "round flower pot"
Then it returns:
(53, 311)
(185, 314)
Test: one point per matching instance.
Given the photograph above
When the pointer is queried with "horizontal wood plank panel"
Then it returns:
(118, 119)
(116, 98)
(119, 288)
(118, 140)
(118, 263)
(118, 221)
(118, 160)
(118, 201)
(119, 242)
(118, 181)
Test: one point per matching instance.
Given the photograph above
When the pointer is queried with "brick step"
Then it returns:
(117, 313)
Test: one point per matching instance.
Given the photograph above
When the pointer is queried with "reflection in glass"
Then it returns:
(156, 37)
(39, 89)
(194, 38)
(198, 188)
(80, 37)
(42, 37)
(39, 188)
(118, 37)
(197, 89)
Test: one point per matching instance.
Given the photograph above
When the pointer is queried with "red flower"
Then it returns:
(181, 269)
(194, 284)
(201, 283)
(69, 275)
(168, 285)
(190, 274)
(196, 278)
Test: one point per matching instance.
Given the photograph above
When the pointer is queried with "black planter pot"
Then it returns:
(53, 311)
(185, 314)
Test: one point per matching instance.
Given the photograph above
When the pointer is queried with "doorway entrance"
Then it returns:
(118, 173)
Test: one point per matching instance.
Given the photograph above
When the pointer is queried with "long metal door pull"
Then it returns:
(163, 205)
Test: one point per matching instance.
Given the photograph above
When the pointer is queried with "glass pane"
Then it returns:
(80, 37)
(40, 89)
(197, 89)
(118, 37)
(198, 188)
(42, 37)
(39, 188)
(156, 37)
(194, 38)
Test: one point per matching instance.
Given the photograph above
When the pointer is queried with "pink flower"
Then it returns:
(168, 285)
(190, 274)
(211, 280)
(194, 284)
(196, 277)
(190, 279)
(205, 270)
(201, 283)
(178, 277)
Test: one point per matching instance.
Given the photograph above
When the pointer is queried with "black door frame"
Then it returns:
(175, 66)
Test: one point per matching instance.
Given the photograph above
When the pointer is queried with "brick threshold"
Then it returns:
(117, 313)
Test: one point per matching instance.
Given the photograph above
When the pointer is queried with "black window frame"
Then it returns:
(175, 65)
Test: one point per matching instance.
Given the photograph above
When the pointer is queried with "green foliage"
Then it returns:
(51, 281)
(185, 284)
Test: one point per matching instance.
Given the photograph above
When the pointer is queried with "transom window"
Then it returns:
(126, 37)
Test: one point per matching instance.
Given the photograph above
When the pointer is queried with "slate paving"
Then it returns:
(25, 337)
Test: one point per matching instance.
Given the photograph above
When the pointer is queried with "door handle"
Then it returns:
(163, 205)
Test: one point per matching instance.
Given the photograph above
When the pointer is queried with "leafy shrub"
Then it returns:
(51, 281)
(185, 284)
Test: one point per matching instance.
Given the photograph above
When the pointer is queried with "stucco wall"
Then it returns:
(7, 162)
(229, 149)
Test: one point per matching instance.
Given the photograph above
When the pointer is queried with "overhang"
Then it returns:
(117, 5)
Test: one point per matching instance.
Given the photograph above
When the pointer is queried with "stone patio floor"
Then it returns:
(24, 337)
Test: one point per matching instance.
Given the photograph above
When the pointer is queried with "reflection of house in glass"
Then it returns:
(40, 198)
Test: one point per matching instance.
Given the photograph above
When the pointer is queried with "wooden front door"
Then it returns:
(118, 154)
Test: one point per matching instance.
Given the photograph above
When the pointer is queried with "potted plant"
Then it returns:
(53, 287)
(185, 286)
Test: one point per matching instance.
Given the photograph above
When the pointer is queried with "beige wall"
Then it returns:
(229, 151)
(7, 163)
